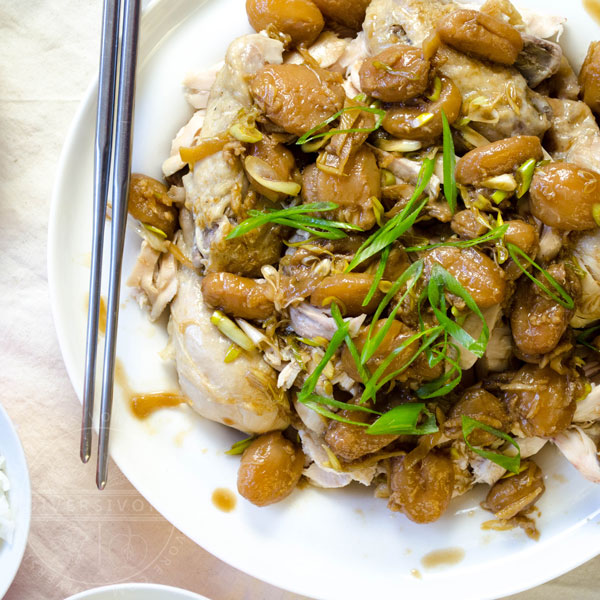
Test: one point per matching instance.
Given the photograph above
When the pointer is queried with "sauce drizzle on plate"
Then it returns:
(443, 557)
(224, 499)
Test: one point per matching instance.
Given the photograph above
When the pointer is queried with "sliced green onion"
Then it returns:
(244, 133)
(297, 218)
(378, 210)
(437, 90)
(387, 178)
(232, 353)
(422, 119)
(410, 276)
(404, 420)
(313, 146)
(596, 213)
(585, 335)
(524, 176)
(312, 134)
(378, 275)
(564, 299)
(506, 183)
(396, 145)
(490, 236)
(316, 342)
(449, 164)
(439, 282)
(239, 447)
(379, 379)
(311, 381)
(510, 463)
(399, 224)
(444, 384)
(155, 230)
(229, 329)
(255, 165)
(362, 369)
(499, 196)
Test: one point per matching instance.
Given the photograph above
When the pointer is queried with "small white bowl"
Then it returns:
(137, 591)
(19, 498)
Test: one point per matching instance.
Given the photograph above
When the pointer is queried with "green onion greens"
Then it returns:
(404, 419)
(449, 164)
(564, 299)
(399, 224)
(510, 463)
(490, 236)
(312, 134)
(297, 217)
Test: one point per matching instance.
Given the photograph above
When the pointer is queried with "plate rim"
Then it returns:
(132, 586)
(23, 521)
(578, 530)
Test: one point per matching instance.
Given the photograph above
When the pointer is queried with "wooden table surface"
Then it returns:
(79, 538)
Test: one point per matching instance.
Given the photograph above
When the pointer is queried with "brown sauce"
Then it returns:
(593, 9)
(443, 557)
(143, 405)
(416, 573)
(224, 499)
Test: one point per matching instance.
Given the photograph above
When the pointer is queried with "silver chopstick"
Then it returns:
(121, 176)
(102, 158)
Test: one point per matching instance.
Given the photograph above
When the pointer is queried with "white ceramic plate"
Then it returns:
(19, 498)
(137, 591)
(324, 544)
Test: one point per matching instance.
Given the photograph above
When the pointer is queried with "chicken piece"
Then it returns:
(579, 449)
(520, 110)
(588, 409)
(539, 59)
(323, 474)
(241, 394)
(155, 277)
(309, 322)
(574, 135)
(586, 252)
(217, 183)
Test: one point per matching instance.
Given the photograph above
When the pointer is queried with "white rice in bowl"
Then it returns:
(7, 523)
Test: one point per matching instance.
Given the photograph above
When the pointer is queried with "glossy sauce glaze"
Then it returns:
(224, 499)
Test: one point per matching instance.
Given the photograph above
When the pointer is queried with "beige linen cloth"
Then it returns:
(80, 538)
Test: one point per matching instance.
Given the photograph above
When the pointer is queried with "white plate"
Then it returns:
(19, 498)
(137, 591)
(324, 544)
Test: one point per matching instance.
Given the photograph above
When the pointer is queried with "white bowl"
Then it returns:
(136, 591)
(19, 498)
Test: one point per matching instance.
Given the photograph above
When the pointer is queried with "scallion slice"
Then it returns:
(564, 299)
(298, 218)
(240, 447)
(441, 281)
(449, 164)
(404, 420)
(312, 134)
(399, 224)
(510, 463)
(490, 236)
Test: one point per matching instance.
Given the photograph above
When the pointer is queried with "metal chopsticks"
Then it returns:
(105, 124)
